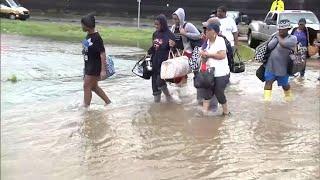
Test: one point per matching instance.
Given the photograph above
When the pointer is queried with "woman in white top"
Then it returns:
(214, 55)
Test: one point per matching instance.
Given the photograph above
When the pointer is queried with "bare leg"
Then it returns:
(286, 88)
(205, 105)
(225, 109)
(268, 85)
(87, 86)
(101, 94)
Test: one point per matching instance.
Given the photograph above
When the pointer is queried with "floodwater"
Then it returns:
(45, 134)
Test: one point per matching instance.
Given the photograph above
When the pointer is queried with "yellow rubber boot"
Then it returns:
(267, 95)
(288, 95)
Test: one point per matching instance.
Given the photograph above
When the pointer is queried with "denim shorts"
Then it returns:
(282, 80)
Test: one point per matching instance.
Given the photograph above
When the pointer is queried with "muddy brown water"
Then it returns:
(45, 134)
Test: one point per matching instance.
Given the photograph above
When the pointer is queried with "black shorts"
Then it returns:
(92, 70)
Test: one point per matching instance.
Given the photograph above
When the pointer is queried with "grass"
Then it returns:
(73, 32)
(246, 53)
(127, 36)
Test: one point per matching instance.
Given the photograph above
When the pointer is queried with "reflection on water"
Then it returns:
(45, 133)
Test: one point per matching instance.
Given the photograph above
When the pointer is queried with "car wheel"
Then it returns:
(253, 43)
(12, 16)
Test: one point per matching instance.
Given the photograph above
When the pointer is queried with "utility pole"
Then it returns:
(139, 3)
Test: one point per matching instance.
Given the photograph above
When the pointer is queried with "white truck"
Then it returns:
(260, 31)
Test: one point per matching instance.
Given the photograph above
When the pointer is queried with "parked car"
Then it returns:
(12, 10)
(262, 30)
(242, 20)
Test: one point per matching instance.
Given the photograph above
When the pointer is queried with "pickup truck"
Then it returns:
(262, 30)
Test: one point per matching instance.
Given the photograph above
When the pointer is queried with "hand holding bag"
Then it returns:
(140, 68)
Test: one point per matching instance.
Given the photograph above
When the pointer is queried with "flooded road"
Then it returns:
(45, 134)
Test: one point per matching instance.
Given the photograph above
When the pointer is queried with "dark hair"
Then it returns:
(89, 21)
(163, 22)
(223, 9)
(214, 26)
(302, 20)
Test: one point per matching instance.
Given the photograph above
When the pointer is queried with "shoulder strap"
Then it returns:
(275, 45)
(293, 30)
(184, 25)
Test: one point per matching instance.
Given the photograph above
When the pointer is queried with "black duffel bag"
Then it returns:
(260, 72)
(238, 65)
(140, 68)
(204, 79)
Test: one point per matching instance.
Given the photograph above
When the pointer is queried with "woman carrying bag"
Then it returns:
(185, 33)
(215, 58)
(94, 61)
(162, 40)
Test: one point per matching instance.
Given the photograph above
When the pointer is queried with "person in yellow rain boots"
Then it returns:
(277, 64)
(277, 5)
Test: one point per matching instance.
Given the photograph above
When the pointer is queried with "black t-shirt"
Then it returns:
(92, 47)
(160, 49)
(178, 38)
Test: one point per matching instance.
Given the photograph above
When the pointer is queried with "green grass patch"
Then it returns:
(123, 36)
(127, 36)
(245, 52)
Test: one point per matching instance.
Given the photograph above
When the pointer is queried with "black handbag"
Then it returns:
(238, 66)
(260, 72)
(204, 79)
(140, 69)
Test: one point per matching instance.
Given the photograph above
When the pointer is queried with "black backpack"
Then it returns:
(229, 52)
(194, 43)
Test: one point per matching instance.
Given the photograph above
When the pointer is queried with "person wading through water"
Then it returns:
(94, 61)
(277, 64)
(200, 91)
(162, 40)
(184, 32)
(303, 37)
(214, 55)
